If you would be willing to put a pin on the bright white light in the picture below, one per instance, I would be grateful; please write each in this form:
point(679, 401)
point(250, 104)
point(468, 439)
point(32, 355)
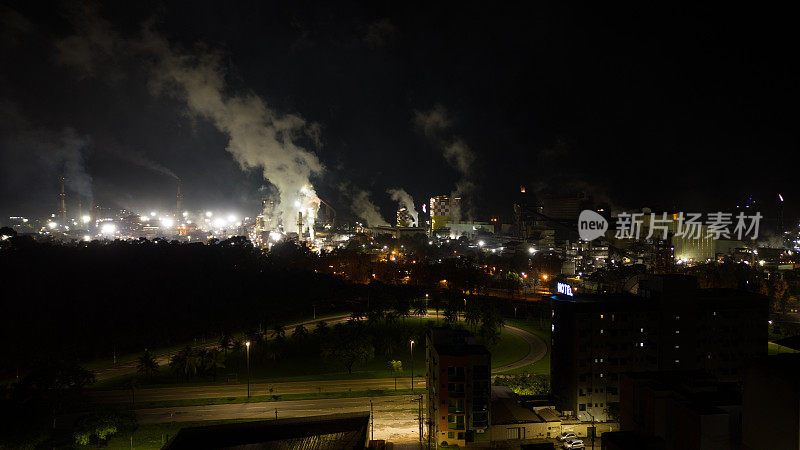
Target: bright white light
point(185, 213)
point(52, 225)
point(87, 238)
point(166, 222)
point(153, 213)
point(86, 219)
point(209, 214)
point(481, 243)
point(531, 250)
point(108, 228)
point(219, 222)
point(275, 236)
point(231, 218)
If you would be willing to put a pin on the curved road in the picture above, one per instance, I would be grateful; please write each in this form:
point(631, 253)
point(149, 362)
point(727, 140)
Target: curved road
point(538, 350)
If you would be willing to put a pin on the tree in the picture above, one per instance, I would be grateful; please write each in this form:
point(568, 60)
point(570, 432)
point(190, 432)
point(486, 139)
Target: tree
point(300, 332)
point(213, 360)
point(450, 312)
point(97, 427)
point(147, 366)
point(56, 387)
point(225, 341)
point(397, 370)
point(348, 346)
point(185, 363)
point(278, 331)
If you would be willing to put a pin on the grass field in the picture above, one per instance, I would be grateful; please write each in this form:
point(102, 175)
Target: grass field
point(276, 398)
point(311, 366)
point(774, 349)
point(543, 331)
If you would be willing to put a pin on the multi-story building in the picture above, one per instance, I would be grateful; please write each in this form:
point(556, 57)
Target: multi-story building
point(670, 325)
point(459, 388)
point(443, 208)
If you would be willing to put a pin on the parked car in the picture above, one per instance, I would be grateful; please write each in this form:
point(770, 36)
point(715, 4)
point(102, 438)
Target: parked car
point(567, 435)
point(573, 443)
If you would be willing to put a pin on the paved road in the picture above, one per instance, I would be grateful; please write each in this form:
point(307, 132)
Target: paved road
point(395, 417)
point(240, 390)
point(129, 367)
point(538, 349)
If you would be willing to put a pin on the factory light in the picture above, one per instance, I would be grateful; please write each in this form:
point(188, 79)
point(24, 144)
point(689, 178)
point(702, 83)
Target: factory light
point(531, 250)
point(108, 228)
point(209, 214)
point(86, 219)
point(481, 243)
point(52, 225)
point(166, 222)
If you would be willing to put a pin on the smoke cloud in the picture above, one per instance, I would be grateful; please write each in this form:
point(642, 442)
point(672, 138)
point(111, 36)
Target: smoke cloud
point(403, 199)
point(435, 124)
point(35, 157)
point(258, 136)
point(362, 205)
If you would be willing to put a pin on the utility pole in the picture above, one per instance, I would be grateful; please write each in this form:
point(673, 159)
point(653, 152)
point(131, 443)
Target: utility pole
point(247, 345)
point(419, 417)
point(412, 367)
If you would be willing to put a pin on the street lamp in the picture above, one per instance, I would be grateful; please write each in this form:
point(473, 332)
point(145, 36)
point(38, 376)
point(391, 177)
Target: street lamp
point(247, 345)
point(412, 366)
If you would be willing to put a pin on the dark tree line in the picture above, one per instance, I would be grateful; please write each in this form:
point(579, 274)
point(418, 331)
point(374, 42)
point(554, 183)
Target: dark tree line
point(89, 300)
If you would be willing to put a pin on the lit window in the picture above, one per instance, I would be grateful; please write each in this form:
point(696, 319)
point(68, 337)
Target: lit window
point(601, 316)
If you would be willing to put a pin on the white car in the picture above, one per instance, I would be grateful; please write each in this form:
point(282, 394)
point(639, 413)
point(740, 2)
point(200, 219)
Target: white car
point(567, 435)
point(574, 443)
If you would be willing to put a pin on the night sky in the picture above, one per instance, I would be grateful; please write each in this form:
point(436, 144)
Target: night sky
point(691, 109)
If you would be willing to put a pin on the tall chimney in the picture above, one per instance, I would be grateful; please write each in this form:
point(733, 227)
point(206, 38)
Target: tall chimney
point(62, 210)
point(300, 224)
point(179, 198)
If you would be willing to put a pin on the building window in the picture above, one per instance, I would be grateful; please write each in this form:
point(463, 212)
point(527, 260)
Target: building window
point(582, 407)
point(514, 433)
point(451, 434)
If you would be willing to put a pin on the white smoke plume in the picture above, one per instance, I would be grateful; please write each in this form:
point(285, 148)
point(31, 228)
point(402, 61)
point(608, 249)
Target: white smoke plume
point(362, 205)
point(138, 158)
point(403, 199)
point(259, 137)
point(37, 155)
point(435, 125)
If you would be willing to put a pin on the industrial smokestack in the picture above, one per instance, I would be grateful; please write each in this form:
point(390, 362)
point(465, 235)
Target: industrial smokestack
point(62, 210)
point(179, 198)
point(300, 224)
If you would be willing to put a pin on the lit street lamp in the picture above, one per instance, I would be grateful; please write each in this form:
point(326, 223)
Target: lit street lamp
point(412, 366)
point(247, 345)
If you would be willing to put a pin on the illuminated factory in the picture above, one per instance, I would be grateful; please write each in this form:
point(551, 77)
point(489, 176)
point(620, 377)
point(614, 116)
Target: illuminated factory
point(442, 208)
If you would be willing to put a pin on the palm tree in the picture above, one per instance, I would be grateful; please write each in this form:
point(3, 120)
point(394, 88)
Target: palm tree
point(225, 341)
point(185, 363)
point(147, 365)
point(300, 332)
point(214, 359)
point(419, 309)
